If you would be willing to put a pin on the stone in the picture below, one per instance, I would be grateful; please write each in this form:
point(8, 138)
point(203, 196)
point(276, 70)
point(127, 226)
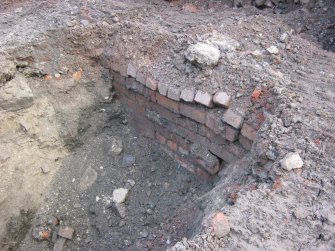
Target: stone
point(273, 49)
point(59, 245)
point(187, 95)
point(220, 225)
point(128, 160)
point(116, 147)
point(16, 95)
point(120, 195)
point(291, 161)
point(121, 210)
point(131, 182)
point(66, 232)
point(203, 54)
point(222, 99)
point(45, 169)
point(225, 44)
point(284, 38)
point(144, 234)
point(41, 233)
point(88, 179)
point(174, 93)
point(204, 98)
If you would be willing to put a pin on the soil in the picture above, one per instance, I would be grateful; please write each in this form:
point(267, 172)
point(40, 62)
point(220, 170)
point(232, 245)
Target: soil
point(59, 47)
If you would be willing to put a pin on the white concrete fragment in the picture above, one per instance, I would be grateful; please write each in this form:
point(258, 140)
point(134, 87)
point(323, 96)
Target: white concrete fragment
point(291, 161)
point(120, 195)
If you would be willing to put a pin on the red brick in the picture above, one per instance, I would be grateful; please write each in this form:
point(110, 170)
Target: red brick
point(230, 133)
point(222, 152)
point(131, 70)
point(140, 77)
point(245, 143)
point(196, 113)
point(249, 132)
point(187, 95)
point(186, 164)
point(174, 93)
point(186, 123)
point(222, 99)
point(236, 149)
point(204, 131)
point(204, 98)
point(167, 103)
point(172, 145)
point(160, 138)
point(151, 83)
point(204, 158)
point(232, 118)
point(214, 122)
point(162, 89)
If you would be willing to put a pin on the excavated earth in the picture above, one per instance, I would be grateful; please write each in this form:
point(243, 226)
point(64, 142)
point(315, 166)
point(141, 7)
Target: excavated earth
point(69, 138)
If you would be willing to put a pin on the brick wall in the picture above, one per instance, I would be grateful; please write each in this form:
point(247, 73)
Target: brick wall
point(199, 130)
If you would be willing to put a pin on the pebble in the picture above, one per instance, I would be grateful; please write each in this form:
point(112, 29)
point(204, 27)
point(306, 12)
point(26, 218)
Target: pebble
point(116, 147)
point(120, 195)
point(273, 49)
point(144, 234)
point(284, 38)
point(45, 169)
point(291, 161)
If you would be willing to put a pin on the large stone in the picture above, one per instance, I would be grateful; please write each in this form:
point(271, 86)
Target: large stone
point(291, 161)
point(16, 95)
point(203, 54)
point(120, 195)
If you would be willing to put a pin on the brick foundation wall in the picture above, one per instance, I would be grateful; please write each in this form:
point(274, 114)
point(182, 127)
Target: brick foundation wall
point(199, 130)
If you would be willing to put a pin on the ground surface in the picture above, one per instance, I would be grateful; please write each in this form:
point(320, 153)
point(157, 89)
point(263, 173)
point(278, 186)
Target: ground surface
point(73, 114)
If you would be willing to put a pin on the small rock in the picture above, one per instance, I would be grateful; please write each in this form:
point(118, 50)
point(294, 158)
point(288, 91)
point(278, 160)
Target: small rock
point(131, 182)
point(88, 178)
point(128, 160)
point(220, 225)
point(66, 232)
point(57, 75)
point(225, 44)
point(260, 3)
point(120, 195)
point(115, 19)
point(273, 49)
point(284, 38)
point(85, 22)
point(59, 245)
point(144, 234)
point(122, 223)
point(18, 10)
point(76, 206)
point(291, 161)
point(45, 169)
point(116, 147)
point(53, 221)
point(203, 54)
point(41, 233)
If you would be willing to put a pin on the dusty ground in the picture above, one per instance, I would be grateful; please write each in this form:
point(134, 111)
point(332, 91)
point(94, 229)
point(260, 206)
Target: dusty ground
point(47, 146)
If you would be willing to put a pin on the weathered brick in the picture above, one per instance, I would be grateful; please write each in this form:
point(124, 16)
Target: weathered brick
point(134, 86)
point(204, 158)
point(59, 244)
point(236, 149)
point(151, 83)
point(185, 163)
point(222, 99)
point(231, 133)
point(167, 103)
point(187, 95)
point(245, 143)
point(233, 119)
point(204, 98)
point(174, 93)
point(66, 232)
point(248, 131)
point(160, 138)
point(196, 113)
point(172, 145)
point(150, 95)
point(140, 77)
point(162, 89)
point(222, 153)
point(214, 122)
point(131, 70)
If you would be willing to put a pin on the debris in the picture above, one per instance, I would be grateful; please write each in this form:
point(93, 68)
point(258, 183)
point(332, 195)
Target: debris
point(273, 49)
point(59, 245)
point(203, 54)
point(41, 233)
point(120, 195)
point(116, 147)
point(220, 225)
point(291, 161)
point(66, 232)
